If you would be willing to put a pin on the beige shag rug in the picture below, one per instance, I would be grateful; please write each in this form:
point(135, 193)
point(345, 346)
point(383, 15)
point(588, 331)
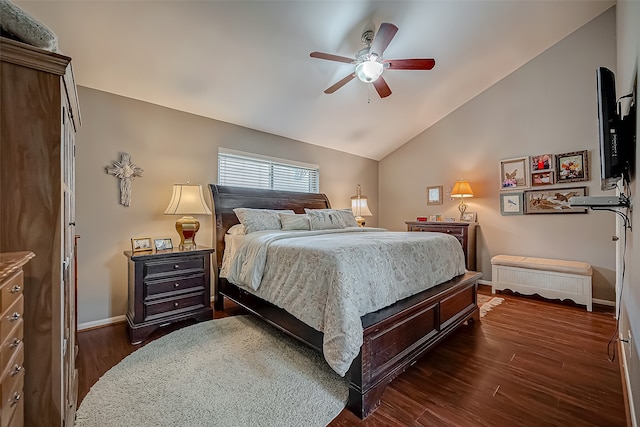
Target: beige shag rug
point(486, 303)
point(235, 371)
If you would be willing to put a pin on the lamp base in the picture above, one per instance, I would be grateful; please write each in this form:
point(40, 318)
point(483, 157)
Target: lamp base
point(187, 227)
point(360, 221)
point(462, 207)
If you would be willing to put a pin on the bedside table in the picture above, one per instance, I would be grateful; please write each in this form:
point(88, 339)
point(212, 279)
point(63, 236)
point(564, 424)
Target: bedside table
point(465, 232)
point(166, 287)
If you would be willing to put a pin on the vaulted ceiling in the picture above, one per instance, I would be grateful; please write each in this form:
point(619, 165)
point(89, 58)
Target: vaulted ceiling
point(248, 63)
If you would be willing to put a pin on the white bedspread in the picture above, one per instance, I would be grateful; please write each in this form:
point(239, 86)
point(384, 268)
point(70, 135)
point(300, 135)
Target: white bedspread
point(330, 278)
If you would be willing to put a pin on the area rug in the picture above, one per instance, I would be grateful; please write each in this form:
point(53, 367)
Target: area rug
point(235, 371)
point(486, 303)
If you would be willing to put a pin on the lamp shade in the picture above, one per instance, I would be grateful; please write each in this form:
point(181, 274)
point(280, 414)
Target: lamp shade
point(359, 206)
point(461, 189)
point(187, 200)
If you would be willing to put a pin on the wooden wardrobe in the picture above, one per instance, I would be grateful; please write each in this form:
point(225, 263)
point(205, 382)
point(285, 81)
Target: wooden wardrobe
point(39, 116)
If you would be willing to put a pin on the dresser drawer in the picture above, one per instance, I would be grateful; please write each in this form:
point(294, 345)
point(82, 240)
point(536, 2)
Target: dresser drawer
point(11, 291)
point(174, 265)
point(11, 344)
point(168, 307)
point(11, 391)
point(155, 288)
point(10, 316)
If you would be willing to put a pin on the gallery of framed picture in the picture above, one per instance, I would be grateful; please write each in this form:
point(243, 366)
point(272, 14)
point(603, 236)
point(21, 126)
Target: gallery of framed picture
point(527, 184)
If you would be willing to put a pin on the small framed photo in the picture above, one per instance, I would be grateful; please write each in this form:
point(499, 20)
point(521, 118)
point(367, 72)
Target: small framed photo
point(514, 173)
point(163, 244)
point(433, 218)
point(434, 195)
point(438, 217)
point(553, 201)
point(542, 162)
point(542, 178)
point(449, 219)
point(572, 167)
point(469, 217)
point(141, 244)
point(511, 203)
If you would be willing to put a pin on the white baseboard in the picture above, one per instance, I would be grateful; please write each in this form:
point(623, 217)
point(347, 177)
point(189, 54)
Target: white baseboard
point(484, 282)
point(103, 322)
point(627, 384)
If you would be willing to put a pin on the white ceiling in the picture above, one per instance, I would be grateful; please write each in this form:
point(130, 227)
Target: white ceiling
point(247, 62)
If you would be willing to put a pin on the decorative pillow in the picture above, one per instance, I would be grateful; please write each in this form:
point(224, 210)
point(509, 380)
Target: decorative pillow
point(237, 229)
point(259, 219)
point(325, 219)
point(294, 221)
point(348, 218)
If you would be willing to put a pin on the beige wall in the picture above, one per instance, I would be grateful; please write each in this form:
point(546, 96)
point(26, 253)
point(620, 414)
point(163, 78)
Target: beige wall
point(172, 147)
point(628, 49)
point(548, 105)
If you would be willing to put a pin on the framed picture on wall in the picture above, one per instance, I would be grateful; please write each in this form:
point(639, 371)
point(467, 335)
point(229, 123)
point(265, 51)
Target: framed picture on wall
point(572, 167)
point(434, 195)
point(542, 162)
point(514, 173)
point(542, 178)
point(511, 203)
point(553, 201)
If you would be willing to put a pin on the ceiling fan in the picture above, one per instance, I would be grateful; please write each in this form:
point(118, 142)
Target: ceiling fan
point(369, 64)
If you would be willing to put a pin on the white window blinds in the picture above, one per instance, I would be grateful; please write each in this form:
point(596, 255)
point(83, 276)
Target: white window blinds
point(251, 170)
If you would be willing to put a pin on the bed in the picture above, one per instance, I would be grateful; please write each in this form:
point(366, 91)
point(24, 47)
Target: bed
point(393, 337)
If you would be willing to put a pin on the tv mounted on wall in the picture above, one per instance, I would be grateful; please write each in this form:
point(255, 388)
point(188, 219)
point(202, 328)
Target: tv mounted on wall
point(616, 135)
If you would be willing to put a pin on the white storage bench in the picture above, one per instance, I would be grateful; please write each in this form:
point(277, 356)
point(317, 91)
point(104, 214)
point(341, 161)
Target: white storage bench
point(549, 278)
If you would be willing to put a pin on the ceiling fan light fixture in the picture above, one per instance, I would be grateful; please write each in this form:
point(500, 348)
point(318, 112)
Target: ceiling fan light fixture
point(369, 70)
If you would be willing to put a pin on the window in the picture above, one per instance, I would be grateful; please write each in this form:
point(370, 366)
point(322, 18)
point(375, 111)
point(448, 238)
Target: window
point(251, 170)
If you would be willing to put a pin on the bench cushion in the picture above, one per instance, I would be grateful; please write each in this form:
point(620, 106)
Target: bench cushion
point(557, 265)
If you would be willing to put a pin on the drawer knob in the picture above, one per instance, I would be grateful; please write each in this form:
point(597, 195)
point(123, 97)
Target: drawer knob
point(176, 285)
point(16, 342)
point(176, 266)
point(16, 370)
point(448, 231)
point(16, 289)
point(15, 316)
point(175, 304)
point(15, 399)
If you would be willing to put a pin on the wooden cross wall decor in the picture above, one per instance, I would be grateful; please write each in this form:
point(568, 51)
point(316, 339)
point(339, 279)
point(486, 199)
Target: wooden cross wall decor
point(125, 171)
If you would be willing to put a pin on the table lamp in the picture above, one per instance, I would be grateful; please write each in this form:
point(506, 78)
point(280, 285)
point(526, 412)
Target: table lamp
point(462, 189)
point(359, 207)
point(187, 200)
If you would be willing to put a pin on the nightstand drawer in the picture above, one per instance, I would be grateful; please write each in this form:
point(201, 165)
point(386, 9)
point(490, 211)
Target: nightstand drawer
point(11, 343)
point(11, 291)
point(154, 288)
point(465, 232)
point(174, 265)
point(169, 307)
point(10, 317)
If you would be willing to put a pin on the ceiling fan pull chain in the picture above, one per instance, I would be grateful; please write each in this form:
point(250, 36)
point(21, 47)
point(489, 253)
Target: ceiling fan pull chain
point(369, 93)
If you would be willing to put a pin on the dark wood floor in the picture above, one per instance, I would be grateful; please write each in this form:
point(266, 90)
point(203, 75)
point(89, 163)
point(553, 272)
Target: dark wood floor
point(529, 363)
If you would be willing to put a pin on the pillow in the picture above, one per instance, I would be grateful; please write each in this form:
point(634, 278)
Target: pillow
point(294, 221)
point(259, 219)
point(237, 229)
point(325, 219)
point(348, 218)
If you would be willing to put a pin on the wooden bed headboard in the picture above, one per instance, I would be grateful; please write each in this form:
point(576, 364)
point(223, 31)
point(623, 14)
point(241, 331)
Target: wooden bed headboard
point(227, 198)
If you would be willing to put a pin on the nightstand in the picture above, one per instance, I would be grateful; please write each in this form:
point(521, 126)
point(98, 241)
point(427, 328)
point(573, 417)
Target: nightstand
point(166, 287)
point(465, 232)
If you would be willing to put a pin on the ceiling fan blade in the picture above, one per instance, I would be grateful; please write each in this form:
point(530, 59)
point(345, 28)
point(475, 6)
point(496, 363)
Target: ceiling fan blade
point(383, 37)
point(411, 64)
point(382, 87)
point(330, 57)
point(341, 83)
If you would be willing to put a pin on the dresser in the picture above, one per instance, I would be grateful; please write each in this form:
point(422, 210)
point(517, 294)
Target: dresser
point(465, 232)
point(166, 287)
point(11, 338)
point(38, 121)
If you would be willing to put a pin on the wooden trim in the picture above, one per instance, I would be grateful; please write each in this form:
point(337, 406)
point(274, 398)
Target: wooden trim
point(32, 57)
point(625, 385)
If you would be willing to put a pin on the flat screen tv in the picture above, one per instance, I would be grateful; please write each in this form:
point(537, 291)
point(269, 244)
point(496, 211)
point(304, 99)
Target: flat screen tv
point(612, 157)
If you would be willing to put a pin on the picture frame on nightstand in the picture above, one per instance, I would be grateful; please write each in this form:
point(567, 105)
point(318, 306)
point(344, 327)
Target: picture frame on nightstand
point(141, 244)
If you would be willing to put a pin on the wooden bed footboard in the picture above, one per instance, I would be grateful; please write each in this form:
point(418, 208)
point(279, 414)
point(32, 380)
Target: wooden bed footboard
point(394, 337)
